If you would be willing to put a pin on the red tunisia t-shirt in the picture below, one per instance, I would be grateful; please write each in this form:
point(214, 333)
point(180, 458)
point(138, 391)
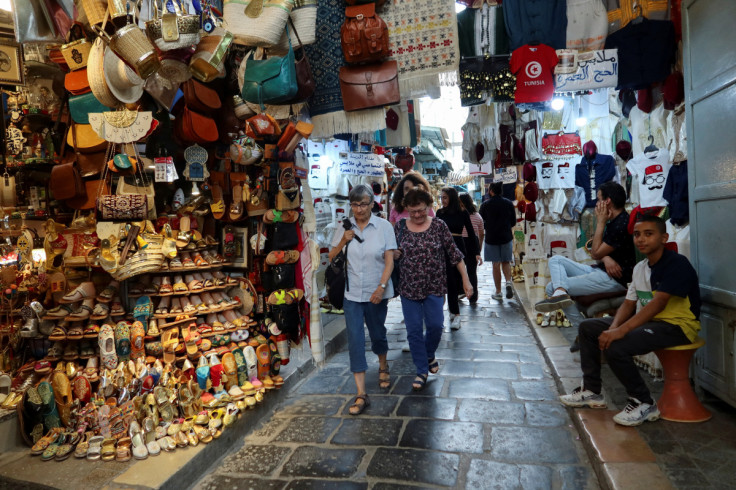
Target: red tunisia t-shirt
point(534, 70)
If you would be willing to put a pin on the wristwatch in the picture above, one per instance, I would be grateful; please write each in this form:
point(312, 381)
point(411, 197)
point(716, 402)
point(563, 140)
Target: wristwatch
point(382, 285)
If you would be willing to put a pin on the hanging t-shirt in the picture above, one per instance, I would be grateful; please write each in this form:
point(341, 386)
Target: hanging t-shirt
point(534, 70)
point(649, 171)
point(590, 175)
point(672, 274)
point(564, 175)
point(545, 174)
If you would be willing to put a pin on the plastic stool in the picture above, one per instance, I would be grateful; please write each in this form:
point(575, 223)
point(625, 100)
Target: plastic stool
point(678, 402)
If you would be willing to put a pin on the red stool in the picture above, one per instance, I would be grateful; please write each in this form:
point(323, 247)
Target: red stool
point(678, 402)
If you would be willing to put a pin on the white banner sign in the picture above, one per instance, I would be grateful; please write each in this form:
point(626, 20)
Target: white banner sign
point(595, 69)
point(507, 175)
point(368, 164)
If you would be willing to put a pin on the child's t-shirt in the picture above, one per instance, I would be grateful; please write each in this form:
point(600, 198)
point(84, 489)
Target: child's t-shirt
point(672, 274)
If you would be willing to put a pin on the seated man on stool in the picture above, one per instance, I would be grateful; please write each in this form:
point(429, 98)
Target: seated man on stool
point(612, 247)
point(665, 294)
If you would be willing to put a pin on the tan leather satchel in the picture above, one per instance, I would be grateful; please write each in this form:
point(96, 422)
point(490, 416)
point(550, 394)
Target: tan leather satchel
point(369, 86)
point(364, 35)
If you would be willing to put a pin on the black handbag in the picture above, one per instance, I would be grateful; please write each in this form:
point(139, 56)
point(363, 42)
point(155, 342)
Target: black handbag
point(396, 273)
point(288, 319)
point(284, 236)
point(279, 277)
point(485, 77)
point(336, 278)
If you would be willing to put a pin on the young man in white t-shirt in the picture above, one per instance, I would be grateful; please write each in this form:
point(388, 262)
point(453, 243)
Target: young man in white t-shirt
point(661, 310)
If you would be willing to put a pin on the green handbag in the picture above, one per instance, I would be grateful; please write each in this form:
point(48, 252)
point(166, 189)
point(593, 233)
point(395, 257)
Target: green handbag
point(81, 105)
point(270, 81)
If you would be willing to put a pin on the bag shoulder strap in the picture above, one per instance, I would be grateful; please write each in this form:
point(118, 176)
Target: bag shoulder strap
point(345, 268)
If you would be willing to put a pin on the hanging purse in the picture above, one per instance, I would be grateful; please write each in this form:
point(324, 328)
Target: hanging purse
point(257, 22)
point(129, 207)
point(364, 35)
point(7, 190)
point(284, 236)
point(175, 30)
point(66, 182)
point(200, 97)
point(270, 81)
point(305, 82)
point(303, 17)
point(76, 50)
point(193, 127)
point(208, 61)
point(125, 189)
point(80, 106)
point(367, 86)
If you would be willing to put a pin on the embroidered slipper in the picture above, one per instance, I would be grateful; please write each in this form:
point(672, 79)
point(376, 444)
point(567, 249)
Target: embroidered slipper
point(122, 340)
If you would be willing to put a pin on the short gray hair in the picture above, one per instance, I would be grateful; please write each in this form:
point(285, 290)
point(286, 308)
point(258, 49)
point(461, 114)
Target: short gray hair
point(359, 192)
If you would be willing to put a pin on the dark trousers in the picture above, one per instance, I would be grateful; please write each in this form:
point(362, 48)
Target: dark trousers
point(471, 264)
point(620, 355)
point(454, 281)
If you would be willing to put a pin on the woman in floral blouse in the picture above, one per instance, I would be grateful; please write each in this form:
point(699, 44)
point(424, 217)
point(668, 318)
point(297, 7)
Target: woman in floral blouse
point(423, 244)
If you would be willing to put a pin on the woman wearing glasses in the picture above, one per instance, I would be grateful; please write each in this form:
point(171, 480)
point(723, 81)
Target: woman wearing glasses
point(370, 243)
point(409, 181)
point(423, 244)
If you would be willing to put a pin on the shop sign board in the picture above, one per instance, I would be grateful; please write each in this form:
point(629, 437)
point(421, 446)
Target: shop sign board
point(364, 164)
point(595, 69)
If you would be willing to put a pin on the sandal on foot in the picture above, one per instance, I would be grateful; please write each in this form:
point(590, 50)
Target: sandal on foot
point(384, 382)
point(359, 406)
point(434, 366)
point(419, 382)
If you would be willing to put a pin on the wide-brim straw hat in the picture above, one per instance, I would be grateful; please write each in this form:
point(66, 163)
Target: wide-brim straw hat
point(122, 80)
point(96, 75)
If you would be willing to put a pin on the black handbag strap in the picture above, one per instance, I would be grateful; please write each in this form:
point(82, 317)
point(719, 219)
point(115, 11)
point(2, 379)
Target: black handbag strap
point(345, 267)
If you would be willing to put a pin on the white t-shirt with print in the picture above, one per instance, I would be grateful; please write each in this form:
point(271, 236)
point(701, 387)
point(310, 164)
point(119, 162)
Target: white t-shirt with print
point(649, 171)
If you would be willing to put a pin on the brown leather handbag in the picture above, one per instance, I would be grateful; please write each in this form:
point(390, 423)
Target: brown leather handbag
point(304, 79)
point(88, 164)
point(194, 127)
point(66, 182)
point(369, 86)
point(364, 35)
point(200, 97)
point(379, 3)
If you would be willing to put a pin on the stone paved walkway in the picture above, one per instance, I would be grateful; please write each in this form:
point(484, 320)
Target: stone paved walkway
point(489, 419)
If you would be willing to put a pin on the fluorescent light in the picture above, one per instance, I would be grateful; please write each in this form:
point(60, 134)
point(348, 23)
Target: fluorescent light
point(557, 104)
point(581, 120)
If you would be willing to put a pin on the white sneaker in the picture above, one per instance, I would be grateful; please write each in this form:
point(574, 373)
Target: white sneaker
point(636, 413)
point(497, 296)
point(455, 322)
point(583, 398)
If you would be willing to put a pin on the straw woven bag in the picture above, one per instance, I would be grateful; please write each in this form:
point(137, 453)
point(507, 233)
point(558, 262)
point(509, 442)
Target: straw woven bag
point(257, 22)
point(96, 11)
point(304, 18)
point(76, 51)
point(173, 30)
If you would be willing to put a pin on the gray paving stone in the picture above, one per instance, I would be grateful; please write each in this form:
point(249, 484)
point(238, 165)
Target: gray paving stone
point(490, 389)
point(381, 406)
point(576, 477)
point(311, 405)
point(322, 385)
point(404, 386)
point(361, 431)
point(371, 384)
point(532, 371)
point(258, 460)
point(334, 370)
point(546, 414)
point(465, 437)
point(458, 354)
point(411, 465)
point(532, 445)
point(426, 407)
point(491, 412)
point(402, 366)
point(398, 486)
point(322, 462)
point(325, 485)
point(493, 475)
point(474, 346)
point(498, 370)
point(534, 390)
point(308, 429)
point(456, 368)
point(490, 355)
point(229, 482)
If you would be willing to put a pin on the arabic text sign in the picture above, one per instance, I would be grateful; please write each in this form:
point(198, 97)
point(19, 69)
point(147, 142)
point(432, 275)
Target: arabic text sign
point(367, 164)
point(596, 69)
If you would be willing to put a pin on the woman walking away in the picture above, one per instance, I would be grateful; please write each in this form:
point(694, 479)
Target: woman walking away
point(423, 244)
point(409, 181)
point(457, 220)
point(370, 244)
point(477, 222)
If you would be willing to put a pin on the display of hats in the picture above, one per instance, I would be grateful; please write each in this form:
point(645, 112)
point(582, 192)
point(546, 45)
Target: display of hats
point(644, 100)
point(96, 75)
point(392, 119)
point(531, 191)
point(123, 82)
point(623, 149)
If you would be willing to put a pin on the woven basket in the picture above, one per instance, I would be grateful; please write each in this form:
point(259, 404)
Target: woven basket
point(304, 17)
point(96, 75)
point(135, 49)
point(186, 25)
point(257, 22)
point(76, 53)
point(144, 261)
point(95, 10)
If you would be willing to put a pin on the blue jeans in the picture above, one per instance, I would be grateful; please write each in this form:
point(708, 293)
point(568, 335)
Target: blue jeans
point(374, 317)
point(429, 313)
point(579, 279)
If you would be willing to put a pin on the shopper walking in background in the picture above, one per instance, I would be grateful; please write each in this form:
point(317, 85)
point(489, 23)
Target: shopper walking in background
point(457, 220)
point(499, 217)
point(477, 222)
point(408, 182)
point(424, 243)
point(370, 262)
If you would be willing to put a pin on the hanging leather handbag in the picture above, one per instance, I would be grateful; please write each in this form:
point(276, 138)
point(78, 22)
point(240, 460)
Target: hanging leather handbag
point(336, 278)
point(76, 82)
point(80, 106)
point(364, 35)
point(367, 86)
point(194, 127)
point(66, 182)
point(88, 164)
point(305, 82)
point(200, 97)
point(176, 30)
point(279, 277)
point(270, 81)
point(284, 236)
point(379, 3)
point(86, 139)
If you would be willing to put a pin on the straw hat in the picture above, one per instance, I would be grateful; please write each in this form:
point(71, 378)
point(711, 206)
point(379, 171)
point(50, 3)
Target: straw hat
point(96, 75)
point(123, 82)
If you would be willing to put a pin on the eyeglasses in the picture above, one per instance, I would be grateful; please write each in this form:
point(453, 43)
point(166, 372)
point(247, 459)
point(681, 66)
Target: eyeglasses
point(418, 212)
point(361, 205)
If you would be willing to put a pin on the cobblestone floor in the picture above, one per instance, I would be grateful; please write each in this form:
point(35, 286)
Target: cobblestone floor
point(489, 419)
